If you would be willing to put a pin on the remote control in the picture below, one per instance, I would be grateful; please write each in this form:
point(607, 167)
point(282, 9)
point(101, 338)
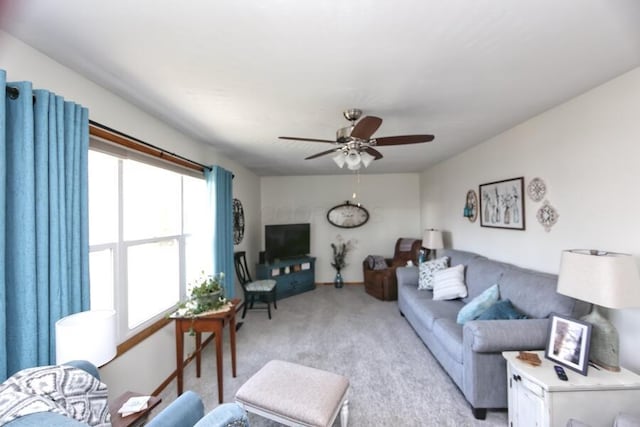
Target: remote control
point(561, 373)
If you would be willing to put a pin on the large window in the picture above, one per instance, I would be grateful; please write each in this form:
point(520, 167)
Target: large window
point(147, 235)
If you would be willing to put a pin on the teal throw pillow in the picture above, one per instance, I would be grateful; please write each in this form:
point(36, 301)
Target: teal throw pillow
point(478, 305)
point(502, 310)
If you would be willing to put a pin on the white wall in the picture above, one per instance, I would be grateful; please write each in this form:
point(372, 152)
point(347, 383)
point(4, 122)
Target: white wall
point(391, 199)
point(146, 366)
point(587, 152)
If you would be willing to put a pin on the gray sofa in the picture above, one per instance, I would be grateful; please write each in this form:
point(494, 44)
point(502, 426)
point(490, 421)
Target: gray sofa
point(472, 354)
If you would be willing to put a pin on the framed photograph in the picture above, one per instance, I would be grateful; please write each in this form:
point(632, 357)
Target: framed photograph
point(568, 343)
point(502, 204)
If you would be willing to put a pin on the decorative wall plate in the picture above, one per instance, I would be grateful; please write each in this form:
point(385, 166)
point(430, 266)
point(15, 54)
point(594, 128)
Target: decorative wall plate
point(348, 215)
point(238, 222)
point(547, 216)
point(536, 189)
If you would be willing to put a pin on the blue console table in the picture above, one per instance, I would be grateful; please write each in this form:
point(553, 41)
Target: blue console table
point(293, 276)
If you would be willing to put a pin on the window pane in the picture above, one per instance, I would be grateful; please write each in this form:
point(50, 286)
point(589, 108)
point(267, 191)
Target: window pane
point(196, 206)
point(101, 279)
point(198, 258)
point(103, 198)
point(151, 201)
point(153, 280)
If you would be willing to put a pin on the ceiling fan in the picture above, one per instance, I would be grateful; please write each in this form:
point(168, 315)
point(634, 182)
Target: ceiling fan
point(354, 145)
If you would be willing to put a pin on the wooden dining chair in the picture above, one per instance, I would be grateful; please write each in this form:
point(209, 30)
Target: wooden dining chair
point(259, 290)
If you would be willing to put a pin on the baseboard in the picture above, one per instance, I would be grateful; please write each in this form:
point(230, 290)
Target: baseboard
point(331, 283)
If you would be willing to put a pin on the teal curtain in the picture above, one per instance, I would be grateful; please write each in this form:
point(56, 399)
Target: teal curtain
point(44, 244)
point(220, 188)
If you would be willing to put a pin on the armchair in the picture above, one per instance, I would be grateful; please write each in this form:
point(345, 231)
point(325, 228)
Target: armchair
point(381, 283)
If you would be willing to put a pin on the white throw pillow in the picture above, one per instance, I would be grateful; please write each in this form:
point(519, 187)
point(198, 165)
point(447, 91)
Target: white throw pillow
point(449, 283)
point(427, 269)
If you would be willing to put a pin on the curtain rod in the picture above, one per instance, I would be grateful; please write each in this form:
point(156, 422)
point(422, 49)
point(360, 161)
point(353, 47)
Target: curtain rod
point(139, 141)
point(13, 92)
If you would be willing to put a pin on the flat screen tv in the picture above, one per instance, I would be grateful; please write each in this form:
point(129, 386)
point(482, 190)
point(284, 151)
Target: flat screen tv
point(286, 240)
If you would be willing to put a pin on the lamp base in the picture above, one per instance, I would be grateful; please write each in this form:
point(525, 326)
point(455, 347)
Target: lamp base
point(604, 345)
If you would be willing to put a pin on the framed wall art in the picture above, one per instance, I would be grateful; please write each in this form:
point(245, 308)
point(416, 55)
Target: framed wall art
point(502, 204)
point(568, 342)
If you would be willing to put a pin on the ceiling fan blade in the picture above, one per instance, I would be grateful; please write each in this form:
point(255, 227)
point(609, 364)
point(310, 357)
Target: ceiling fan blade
point(366, 127)
point(403, 139)
point(295, 138)
point(320, 154)
point(375, 153)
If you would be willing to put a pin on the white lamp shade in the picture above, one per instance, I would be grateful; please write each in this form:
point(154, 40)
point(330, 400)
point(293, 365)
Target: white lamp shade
point(339, 159)
point(432, 239)
point(89, 335)
point(366, 159)
point(353, 160)
point(604, 278)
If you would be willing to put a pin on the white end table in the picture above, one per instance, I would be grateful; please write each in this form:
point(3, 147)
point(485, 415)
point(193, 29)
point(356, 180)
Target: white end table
point(538, 398)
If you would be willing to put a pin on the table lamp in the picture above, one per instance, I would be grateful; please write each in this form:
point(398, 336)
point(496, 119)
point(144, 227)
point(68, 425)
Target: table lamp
point(605, 279)
point(431, 240)
point(88, 335)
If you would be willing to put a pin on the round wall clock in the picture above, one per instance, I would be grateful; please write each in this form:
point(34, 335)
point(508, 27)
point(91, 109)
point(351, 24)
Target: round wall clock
point(348, 215)
point(238, 222)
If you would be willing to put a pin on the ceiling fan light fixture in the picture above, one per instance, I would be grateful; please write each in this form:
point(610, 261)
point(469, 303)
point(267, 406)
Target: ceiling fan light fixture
point(366, 159)
point(339, 159)
point(353, 159)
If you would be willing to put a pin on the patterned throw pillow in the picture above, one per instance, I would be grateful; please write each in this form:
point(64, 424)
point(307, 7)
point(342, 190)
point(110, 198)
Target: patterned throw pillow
point(427, 269)
point(449, 283)
point(478, 305)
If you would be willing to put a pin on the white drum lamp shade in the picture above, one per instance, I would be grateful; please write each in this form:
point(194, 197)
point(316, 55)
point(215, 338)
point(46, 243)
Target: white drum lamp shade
point(89, 335)
point(605, 279)
point(432, 239)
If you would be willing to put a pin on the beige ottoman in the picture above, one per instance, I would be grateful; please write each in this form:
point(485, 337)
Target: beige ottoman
point(296, 395)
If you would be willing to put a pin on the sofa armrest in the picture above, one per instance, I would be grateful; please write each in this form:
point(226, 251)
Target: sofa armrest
point(227, 414)
point(407, 275)
point(494, 336)
point(185, 411)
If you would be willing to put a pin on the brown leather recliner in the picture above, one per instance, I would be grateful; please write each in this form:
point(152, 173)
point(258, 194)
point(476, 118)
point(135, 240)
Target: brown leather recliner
point(382, 284)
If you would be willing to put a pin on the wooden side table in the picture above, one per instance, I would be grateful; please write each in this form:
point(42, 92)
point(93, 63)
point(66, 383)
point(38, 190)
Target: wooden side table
point(135, 419)
point(538, 398)
point(213, 323)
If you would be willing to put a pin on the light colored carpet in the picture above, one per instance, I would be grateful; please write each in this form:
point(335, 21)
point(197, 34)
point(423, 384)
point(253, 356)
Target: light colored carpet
point(395, 381)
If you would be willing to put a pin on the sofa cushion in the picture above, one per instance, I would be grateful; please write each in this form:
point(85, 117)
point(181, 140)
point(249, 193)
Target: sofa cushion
point(449, 335)
point(501, 310)
point(481, 274)
point(449, 283)
point(478, 305)
point(459, 257)
point(427, 270)
point(534, 293)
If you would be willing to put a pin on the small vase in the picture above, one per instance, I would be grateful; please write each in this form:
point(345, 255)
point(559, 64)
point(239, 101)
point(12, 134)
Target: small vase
point(338, 282)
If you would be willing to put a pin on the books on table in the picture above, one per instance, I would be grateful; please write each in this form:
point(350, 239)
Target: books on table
point(133, 405)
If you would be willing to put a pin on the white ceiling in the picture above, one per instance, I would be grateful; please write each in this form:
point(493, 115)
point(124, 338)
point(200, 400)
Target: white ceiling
point(238, 73)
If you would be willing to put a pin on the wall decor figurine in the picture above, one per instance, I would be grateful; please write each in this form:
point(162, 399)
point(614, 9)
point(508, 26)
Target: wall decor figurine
point(471, 206)
point(502, 204)
point(547, 216)
point(536, 189)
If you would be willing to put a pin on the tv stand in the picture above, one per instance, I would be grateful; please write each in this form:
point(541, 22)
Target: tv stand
point(293, 275)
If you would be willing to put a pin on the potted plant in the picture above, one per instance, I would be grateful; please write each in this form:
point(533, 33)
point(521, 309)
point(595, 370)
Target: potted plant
point(340, 250)
point(206, 294)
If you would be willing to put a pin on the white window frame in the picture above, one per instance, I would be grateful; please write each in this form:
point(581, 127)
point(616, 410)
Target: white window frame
point(121, 247)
